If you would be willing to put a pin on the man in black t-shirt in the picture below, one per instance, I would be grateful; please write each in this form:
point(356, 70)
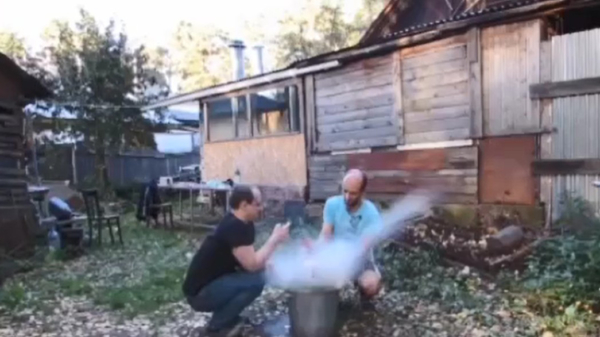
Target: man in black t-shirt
point(225, 275)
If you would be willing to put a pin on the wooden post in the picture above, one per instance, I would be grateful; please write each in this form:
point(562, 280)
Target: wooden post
point(475, 85)
point(235, 107)
point(249, 115)
point(311, 112)
point(397, 112)
point(204, 109)
point(545, 140)
point(293, 108)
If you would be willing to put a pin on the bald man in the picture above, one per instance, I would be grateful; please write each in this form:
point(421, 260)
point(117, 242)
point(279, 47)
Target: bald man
point(351, 216)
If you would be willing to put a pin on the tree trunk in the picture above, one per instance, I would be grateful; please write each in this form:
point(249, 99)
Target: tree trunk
point(102, 170)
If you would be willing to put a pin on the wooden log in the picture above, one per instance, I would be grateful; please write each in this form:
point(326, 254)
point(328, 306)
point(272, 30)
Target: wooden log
point(506, 240)
point(519, 254)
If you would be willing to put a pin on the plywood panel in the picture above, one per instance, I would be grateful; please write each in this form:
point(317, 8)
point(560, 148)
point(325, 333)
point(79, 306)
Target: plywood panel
point(266, 161)
point(356, 106)
point(506, 174)
point(510, 64)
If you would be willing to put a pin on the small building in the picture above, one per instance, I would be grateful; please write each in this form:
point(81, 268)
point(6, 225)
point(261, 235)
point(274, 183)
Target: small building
point(484, 100)
point(18, 222)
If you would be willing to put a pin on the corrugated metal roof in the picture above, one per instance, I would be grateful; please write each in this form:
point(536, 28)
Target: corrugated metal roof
point(497, 7)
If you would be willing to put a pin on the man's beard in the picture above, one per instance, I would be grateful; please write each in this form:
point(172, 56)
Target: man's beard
point(352, 203)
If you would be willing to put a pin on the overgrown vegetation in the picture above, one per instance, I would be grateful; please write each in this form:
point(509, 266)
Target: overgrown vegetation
point(137, 278)
point(562, 279)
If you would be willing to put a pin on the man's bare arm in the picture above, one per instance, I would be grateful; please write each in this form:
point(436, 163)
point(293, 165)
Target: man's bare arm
point(326, 232)
point(252, 260)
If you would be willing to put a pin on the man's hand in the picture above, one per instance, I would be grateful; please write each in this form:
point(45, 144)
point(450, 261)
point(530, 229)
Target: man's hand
point(308, 244)
point(281, 233)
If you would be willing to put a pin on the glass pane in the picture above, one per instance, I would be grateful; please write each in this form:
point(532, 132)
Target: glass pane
point(242, 118)
point(271, 111)
point(220, 126)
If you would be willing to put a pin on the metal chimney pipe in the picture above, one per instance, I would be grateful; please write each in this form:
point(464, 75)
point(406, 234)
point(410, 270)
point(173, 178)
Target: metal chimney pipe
point(237, 48)
point(259, 65)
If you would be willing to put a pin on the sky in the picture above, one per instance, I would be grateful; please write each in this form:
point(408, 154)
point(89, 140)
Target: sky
point(151, 23)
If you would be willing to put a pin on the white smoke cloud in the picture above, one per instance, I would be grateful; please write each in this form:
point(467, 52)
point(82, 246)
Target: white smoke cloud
point(333, 264)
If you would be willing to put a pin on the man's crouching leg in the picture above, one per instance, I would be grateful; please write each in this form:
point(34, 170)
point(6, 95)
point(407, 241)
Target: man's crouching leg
point(370, 283)
point(227, 297)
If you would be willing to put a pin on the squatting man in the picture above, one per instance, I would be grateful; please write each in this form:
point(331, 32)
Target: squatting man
point(226, 274)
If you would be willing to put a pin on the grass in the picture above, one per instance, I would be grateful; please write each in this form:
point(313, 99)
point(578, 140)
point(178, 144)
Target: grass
point(137, 278)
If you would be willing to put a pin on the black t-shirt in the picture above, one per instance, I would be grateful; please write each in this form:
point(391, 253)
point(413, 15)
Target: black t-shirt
point(215, 257)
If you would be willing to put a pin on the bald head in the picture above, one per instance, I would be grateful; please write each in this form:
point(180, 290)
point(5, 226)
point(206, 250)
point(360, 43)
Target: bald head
point(354, 185)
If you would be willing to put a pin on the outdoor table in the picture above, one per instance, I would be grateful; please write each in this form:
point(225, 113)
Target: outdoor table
point(193, 187)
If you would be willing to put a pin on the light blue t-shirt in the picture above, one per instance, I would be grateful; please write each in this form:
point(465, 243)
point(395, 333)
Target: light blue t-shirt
point(364, 221)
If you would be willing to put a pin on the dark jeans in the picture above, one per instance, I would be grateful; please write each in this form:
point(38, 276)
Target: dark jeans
point(227, 296)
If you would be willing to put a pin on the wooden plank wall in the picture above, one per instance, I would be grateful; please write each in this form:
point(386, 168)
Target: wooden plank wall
point(452, 171)
point(326, 173)
point(435, 90)
point(511, 63)
point(355, 106)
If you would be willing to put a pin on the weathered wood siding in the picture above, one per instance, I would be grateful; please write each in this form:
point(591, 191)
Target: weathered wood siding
point(18, 222)
point(511, 63)
point(435, 91)
point(325, 175)
point(452, 171)
point(355, 106)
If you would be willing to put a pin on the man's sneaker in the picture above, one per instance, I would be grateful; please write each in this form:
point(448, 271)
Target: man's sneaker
point(233, 331)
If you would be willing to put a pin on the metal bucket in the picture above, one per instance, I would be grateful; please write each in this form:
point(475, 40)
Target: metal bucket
point(313, 312)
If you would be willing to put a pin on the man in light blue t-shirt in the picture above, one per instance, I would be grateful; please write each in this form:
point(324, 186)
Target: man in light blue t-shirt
point(351, 216)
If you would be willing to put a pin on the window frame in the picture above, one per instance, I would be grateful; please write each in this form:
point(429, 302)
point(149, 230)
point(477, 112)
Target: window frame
point(297, 104)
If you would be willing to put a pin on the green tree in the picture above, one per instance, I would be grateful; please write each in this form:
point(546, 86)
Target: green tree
point(12, 46)
point(369, 11)
point(319, 27)
point(202, 56)
point(103, 82)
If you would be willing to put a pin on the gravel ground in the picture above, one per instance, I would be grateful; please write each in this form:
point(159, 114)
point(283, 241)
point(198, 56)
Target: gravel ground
point(395, 314)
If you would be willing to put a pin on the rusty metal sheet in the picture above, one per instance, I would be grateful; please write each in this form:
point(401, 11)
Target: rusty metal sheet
point(506, 176)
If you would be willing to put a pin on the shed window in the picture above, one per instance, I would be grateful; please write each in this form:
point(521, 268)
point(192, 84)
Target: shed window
point(255, 114)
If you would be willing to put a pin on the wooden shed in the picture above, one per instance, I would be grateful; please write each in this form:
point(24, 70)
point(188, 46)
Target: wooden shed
point(18, 221)
point(438, 93)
